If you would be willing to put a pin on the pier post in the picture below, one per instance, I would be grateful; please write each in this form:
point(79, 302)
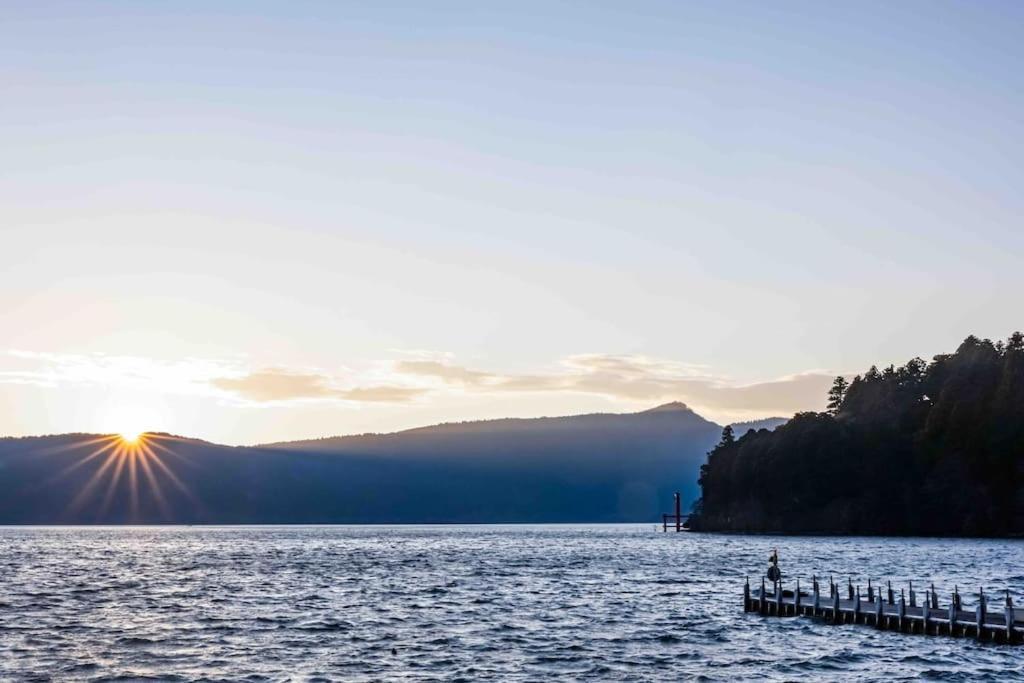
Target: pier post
point(849, 588)
point(796, 598)
point(901, 612)
point(979, 615)
point(836, 615)
point(871, 591)
point(878, 610)
point(762, 605)
point(1008, 615)
point(817, 597)
point(746, 595)
point(679, 515)
point(913, 595)
point(935, 598)
point(831, 586)
point(856, 607)
point(778, 598)
point(889, 590)
point(925, 614)
point(952, 613)
point(664, 523)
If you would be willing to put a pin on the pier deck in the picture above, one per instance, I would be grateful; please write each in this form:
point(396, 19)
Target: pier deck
point(886, 610)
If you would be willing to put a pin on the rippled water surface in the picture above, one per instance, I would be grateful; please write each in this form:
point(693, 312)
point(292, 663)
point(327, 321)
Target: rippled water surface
point(462, 603)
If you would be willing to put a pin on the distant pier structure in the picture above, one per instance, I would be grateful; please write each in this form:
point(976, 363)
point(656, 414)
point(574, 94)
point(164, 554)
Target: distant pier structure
point(887, 610)
point(675, 519)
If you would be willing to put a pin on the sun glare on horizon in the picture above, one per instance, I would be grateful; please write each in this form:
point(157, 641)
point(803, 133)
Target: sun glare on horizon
point(131, 436)
point(129, 458)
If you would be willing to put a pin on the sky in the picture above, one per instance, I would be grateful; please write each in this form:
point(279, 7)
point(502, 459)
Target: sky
point(254, 221)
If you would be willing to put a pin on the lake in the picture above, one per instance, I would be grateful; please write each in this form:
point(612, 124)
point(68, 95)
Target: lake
point(465, 603)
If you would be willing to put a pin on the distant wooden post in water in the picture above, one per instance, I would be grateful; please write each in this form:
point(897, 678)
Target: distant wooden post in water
point(678, 516)
point(894, 614)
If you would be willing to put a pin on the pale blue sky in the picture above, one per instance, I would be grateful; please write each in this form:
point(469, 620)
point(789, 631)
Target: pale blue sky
point(302, 197)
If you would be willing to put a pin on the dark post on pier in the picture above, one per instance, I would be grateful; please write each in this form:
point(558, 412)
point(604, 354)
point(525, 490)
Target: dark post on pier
point(678, 516)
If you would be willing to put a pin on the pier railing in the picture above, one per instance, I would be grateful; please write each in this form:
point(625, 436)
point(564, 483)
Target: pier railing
point(891, 611)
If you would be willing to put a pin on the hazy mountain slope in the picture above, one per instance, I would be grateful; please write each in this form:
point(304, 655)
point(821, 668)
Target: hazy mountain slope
point(587, 468)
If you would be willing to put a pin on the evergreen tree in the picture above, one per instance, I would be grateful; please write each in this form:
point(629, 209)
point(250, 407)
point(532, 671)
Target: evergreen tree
point(727, 437)
point(836, 394)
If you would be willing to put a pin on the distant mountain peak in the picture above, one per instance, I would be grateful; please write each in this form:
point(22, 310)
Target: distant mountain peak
point(673, 407)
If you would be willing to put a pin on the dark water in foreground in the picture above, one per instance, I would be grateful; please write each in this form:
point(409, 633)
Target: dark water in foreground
point(469, 603)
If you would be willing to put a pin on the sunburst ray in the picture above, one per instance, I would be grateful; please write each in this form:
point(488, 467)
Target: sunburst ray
point(154, 485)
point(93, 482)
point(132, 469)
point(108, 497)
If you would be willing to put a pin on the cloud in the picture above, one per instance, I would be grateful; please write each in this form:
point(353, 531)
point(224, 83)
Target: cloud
point(179, 376)
point(640, 378)
point(195, 377)
point(383, 394)
point(275, 384)
point(632, 378)
point(449, 373)
point(634, 365)
point(278, 384)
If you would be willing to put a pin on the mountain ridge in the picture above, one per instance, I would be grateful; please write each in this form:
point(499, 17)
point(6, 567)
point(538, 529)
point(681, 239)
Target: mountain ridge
point(673, 408)
point(596, 467)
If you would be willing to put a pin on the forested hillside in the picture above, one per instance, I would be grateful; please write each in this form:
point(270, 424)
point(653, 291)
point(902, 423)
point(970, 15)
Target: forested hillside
point(927, 448)
point(582, 468)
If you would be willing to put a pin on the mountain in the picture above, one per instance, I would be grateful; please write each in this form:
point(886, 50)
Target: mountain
point(924, 449)
point(584, 468)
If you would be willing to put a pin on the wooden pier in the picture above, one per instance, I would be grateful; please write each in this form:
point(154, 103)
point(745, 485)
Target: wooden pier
point(889, 611)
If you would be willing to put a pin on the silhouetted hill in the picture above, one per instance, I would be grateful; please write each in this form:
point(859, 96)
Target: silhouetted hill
point(585, 468)
point(925, 449)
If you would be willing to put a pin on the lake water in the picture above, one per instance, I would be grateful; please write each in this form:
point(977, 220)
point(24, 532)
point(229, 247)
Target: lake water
point(463, 603)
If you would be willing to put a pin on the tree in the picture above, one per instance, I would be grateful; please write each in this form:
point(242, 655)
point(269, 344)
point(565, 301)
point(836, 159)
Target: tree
point(727, 437)
point(836, 394)
point(924, 448)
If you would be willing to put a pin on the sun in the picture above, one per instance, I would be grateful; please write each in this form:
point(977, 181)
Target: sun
point(131, 436)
